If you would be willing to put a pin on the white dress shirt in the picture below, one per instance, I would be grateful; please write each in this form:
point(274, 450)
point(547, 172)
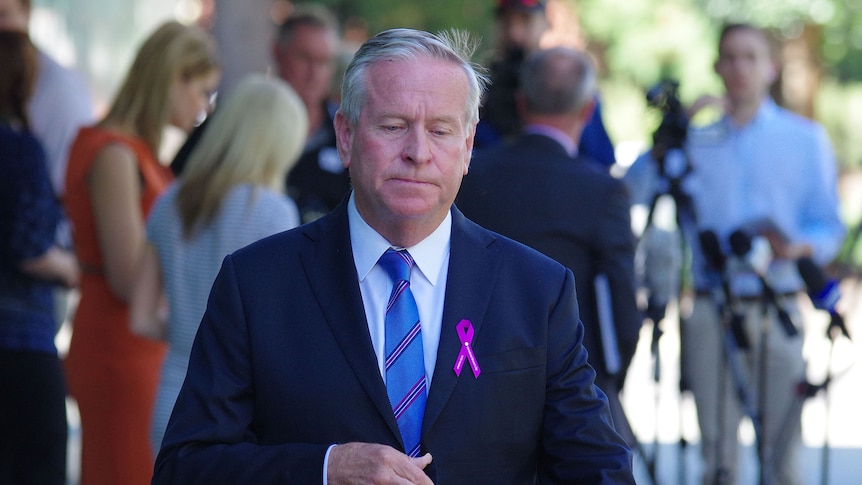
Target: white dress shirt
point(428, 284)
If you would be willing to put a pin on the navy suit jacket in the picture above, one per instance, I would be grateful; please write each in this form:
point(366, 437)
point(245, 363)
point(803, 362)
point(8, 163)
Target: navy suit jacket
point(571, 210)
point(283, 366)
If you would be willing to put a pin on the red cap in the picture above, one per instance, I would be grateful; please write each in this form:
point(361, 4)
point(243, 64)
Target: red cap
point(524, 5)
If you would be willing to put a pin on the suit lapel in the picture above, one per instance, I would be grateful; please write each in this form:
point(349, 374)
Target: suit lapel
point(473, 268)
point(328, 264)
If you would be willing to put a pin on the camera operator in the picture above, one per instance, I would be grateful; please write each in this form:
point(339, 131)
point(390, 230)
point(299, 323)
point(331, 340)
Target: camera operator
point(520, 25)
point(758, 171)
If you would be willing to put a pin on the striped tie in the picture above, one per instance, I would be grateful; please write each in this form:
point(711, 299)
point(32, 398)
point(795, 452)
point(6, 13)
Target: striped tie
point(405, 364)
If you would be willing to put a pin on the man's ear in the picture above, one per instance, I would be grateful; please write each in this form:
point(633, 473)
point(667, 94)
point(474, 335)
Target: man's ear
point(343, 137)
point(586, 112)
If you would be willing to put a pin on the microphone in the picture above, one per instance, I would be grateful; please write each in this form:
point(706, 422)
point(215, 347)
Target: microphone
point(716, 261)
point(757, 253)
point(824, 293)
point(662, 263)
point(712, 252)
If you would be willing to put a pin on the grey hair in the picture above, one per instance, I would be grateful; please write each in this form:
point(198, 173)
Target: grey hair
point(557, 81)
point(456, 46)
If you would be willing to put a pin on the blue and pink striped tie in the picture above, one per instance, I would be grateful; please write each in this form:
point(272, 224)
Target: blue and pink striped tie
point(405, 364)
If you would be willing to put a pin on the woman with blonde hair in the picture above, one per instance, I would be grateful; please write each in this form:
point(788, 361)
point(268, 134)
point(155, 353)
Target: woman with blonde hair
point(112, 179)
point(228, 196)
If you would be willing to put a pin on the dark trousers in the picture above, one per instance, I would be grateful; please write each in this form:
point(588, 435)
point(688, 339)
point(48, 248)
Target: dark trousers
point(33, 430)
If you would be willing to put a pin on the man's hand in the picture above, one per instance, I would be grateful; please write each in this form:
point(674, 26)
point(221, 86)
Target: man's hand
point(784, 249)
point(377, 464)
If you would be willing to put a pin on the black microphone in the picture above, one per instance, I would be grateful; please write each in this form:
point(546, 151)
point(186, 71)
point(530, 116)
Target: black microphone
point(712, 252)
point(716, 261)
point(824, 293)
point(740, 242)
point(753, 249)
point(744, 246)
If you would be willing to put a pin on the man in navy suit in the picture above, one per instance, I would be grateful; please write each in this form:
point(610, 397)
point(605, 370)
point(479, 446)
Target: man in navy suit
point(539, 190)
point(286, 381)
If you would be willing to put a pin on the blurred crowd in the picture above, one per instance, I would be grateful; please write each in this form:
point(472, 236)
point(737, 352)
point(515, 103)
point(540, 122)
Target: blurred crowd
point(87, 206)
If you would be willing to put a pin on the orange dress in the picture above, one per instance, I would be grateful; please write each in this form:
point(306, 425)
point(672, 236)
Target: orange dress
point(112, 374)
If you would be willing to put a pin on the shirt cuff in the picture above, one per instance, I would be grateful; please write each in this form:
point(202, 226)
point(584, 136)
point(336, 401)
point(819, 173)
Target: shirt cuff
point(326, 462)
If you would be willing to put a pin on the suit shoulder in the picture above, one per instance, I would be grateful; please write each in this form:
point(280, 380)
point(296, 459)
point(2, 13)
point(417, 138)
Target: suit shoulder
point(519, 254)
point(274, 247)
point(590, 174)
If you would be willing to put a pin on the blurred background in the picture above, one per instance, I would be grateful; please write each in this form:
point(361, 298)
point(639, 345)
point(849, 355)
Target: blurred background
point(636, 44)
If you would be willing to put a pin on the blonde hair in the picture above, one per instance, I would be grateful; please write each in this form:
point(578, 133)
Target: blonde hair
point(173, 51)
point(255, 137)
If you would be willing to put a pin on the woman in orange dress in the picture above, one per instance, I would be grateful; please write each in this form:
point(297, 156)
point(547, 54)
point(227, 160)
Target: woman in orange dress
point(112, 180)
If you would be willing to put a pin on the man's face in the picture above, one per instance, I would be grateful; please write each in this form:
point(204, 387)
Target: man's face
point(411, 146)
point(745, 65)
point(519, 30)
point(307, 62)
point(13, 16)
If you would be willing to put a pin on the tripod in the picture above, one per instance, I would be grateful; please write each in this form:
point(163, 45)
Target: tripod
point(664, 252)
point(767, 319)
point(657, 179)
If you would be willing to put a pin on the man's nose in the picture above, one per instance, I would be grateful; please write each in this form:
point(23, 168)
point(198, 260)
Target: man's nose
point(417, 147)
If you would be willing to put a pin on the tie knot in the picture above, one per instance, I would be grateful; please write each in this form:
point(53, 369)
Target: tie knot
point(397, 264)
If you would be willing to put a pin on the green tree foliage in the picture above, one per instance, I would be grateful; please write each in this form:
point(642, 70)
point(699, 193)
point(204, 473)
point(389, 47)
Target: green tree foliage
point(643, 41)
point(640, 42)
point(476, 16)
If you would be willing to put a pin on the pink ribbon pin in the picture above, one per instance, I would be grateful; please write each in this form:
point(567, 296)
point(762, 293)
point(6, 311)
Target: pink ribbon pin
point(465, 333)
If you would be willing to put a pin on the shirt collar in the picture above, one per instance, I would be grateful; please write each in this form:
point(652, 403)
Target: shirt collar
point(565, 140)
point(368, 245)
point(765, 111)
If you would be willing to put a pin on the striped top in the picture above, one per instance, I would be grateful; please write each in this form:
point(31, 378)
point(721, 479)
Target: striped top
point(189, 268)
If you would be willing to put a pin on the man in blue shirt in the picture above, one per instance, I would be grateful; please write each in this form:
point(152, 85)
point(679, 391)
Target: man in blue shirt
point(765, 174)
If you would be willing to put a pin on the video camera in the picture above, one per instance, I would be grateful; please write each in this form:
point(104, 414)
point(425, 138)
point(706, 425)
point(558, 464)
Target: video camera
point(672, 131)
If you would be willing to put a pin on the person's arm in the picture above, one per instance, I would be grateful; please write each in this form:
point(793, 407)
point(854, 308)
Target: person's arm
point(31, 234)
point(211, 438)
point(822, 229)
point(55, 264)
point(147, 307)
point(115, 188)
point(579, 442)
